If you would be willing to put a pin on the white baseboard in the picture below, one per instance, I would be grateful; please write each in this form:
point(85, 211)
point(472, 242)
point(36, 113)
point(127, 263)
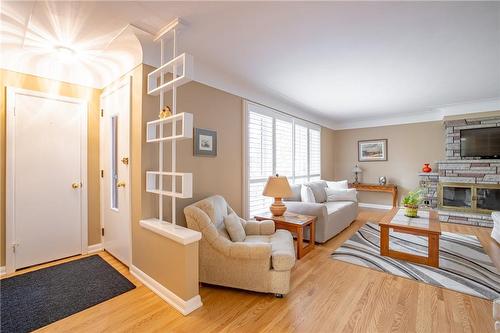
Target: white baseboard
point(3, 271)
point(184, 307)
point(376, 206)
point(94, 248)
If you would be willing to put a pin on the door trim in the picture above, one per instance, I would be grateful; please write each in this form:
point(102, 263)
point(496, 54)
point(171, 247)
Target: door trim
point(10, 228)
point(125, 81)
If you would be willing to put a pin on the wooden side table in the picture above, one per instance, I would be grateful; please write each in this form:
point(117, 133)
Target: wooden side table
point(389, 188)
point(294, 223)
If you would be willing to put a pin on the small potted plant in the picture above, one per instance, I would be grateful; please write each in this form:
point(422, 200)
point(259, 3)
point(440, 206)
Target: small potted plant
point(411, 202)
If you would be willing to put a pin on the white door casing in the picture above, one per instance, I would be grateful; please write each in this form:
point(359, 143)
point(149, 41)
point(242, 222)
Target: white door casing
point(115, 147)
point(46, 218)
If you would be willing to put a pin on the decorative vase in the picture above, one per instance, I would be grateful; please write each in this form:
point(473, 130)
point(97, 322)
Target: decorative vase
point(382, 180)
point(426, 168)
point(411, 211)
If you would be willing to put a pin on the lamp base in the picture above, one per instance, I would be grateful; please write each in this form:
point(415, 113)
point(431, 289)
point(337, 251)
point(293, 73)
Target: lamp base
point(278, 208)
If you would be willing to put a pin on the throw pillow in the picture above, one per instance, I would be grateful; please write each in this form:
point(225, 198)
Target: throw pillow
point(234, 228)
point(318, 189)
point(306, 194)
point(341, 195)
point(340, 185)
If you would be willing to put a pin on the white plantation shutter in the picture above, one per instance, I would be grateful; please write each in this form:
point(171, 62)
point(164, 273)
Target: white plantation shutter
point(314, 154)
point(300, 160)
point(278, 143)
point(284, 147)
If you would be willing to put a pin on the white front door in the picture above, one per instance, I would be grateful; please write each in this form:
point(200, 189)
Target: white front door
point(46, 178)
point(115, 176)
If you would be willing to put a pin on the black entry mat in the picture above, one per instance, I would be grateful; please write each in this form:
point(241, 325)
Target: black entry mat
point(35, 299)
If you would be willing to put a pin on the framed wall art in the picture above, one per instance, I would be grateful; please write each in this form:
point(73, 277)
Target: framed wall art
point(372, 150)
point(205, 142)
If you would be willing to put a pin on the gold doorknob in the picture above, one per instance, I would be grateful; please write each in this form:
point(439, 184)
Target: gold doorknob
point(76, 185)
point(120, 184)
point(125, 160)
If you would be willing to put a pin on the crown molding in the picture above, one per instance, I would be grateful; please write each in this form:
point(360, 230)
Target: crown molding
point(435, 114)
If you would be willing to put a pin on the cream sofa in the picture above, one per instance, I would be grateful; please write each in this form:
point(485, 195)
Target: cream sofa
point(262, 262)
point(333, 217)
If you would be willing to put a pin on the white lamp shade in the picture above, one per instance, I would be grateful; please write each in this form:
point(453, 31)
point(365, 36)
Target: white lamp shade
point(277, 187)
point(357, 169)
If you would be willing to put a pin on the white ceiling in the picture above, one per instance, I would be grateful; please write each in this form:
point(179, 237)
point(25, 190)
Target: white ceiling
point(340, 62)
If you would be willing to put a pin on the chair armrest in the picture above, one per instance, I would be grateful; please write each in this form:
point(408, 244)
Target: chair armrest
point(283, 255)
point(241, 250)
point(265, 227)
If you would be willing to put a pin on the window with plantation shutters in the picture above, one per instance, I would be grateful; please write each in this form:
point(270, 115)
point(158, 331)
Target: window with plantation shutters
point(260, 158)
point(278, 143)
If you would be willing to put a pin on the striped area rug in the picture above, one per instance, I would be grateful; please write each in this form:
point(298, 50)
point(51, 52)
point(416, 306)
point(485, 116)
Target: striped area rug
point(463, 264)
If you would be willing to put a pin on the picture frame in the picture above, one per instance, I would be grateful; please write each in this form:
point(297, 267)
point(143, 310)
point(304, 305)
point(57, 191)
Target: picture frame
point(205, 142)
point(372, 150)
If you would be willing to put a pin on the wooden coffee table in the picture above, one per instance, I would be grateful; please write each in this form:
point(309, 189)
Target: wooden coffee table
point(294, 223)
point(427, 224)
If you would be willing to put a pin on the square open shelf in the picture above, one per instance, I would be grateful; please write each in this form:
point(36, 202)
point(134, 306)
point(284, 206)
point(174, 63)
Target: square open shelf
point(184, 186)
point(184, 66)
point(183, 123)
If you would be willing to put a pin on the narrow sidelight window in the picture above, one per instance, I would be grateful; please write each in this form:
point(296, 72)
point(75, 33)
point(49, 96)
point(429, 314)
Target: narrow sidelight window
point(114, 162)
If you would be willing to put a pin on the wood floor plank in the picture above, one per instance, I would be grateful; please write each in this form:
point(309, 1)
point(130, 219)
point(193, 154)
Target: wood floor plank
point(326, 296)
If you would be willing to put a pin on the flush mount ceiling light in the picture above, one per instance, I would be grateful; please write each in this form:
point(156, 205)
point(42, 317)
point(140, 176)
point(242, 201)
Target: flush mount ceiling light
point(64, 50)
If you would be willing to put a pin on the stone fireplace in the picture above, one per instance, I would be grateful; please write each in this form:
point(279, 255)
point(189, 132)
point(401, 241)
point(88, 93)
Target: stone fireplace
point(464, 190)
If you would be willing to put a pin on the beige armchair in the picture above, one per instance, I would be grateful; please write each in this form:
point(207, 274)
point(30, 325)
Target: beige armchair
point(262, 262)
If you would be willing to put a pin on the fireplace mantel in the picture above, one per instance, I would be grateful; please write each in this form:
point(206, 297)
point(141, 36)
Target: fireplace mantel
point(484, 160)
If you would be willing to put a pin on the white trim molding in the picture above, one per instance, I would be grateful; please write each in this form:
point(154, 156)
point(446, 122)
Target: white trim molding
point(376, 206)
point(94, 248)
point(184, 307)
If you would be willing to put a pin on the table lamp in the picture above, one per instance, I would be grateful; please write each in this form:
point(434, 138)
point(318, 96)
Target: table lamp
point(356, 170)
point(277, 187)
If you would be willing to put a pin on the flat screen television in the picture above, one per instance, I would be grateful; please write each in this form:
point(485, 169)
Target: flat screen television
point(480, 142)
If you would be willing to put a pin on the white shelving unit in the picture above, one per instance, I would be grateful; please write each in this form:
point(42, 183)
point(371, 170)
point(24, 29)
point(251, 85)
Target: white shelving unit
point(168, 77)
point(182, 66)
point(184, 121)
point(186, 191)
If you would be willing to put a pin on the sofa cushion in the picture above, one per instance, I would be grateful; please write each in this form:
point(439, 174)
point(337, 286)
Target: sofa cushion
point(336, 206)
point(318, 189)
point(234, 228)
point(215, 207)
point(257, 239)
point(306, 194)
point(296, 193)
point(341, 195)
point(265, 227)
point(340, 185)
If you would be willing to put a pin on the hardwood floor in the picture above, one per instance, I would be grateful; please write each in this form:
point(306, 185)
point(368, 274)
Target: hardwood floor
point(326, 296)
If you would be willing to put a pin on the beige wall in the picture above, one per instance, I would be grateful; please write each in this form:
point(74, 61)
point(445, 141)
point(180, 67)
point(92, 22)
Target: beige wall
point(409, 146)
point(18, 80)
point(328, 149)
point(215, 110)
